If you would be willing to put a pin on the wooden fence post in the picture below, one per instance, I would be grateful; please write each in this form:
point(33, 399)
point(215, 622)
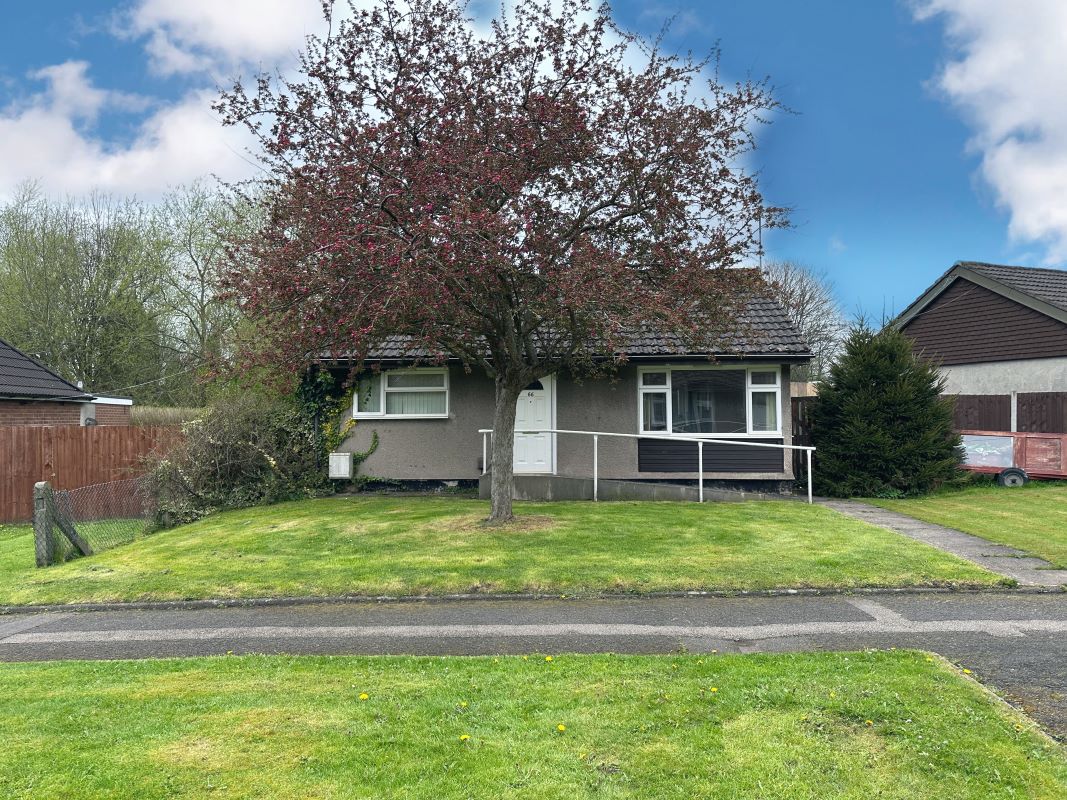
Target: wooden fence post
point(43, 544)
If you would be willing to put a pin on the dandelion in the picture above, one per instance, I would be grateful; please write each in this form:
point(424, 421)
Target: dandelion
point(869, 723)
point(966, 671)
point(548, 658)
point(364, 696)
point(714, 688)
point(561, 727)
point(465, 737)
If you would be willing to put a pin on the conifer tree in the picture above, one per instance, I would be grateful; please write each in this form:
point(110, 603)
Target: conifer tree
point(881, 424)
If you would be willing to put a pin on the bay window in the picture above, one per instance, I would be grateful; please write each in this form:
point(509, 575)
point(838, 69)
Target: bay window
point(402, 393)
point(717, 401)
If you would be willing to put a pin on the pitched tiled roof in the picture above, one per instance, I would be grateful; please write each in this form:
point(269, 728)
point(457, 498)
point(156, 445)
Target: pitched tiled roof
point(1048, 285)
point(763, 330)
point(23, 377)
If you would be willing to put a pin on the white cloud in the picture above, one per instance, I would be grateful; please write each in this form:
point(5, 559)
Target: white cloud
point(193, 35)
point(1006, 72)
point(71, 94)
point(53, 133)
point(175, 144)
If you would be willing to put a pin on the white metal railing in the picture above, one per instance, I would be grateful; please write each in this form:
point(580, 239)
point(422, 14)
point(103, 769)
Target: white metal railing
point(700, 442)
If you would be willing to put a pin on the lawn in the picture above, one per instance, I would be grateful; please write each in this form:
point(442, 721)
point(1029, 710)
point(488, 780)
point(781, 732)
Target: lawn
point(424, 545)
point(1031, 517)
point(828, 725)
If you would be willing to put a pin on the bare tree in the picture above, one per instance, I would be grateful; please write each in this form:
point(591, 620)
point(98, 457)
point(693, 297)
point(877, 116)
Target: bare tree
point(200, 320)
point(808, 297)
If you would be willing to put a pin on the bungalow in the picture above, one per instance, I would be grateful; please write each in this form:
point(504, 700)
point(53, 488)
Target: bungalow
point(32, 394)
point(428, 418)
point(999, 335)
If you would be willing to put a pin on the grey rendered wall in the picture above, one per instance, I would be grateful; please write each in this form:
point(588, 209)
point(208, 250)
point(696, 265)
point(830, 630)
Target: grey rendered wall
point(451, 449)
point(1005, 377)
point(431, 449)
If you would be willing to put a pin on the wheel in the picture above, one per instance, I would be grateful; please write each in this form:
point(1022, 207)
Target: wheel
point(1013, 477)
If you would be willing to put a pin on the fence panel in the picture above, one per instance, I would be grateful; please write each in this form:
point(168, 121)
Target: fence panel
point(70, 457)
point(1042, 412)
point(801, 434)
point(982, 412)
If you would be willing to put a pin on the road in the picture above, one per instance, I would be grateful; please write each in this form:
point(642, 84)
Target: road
point(1014, 642)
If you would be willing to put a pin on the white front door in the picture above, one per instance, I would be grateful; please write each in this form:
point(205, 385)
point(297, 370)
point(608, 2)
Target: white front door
point(533, 450)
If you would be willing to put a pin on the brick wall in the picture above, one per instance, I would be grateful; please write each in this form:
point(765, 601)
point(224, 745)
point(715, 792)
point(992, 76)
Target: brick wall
point(14, 412)
point(112, 414)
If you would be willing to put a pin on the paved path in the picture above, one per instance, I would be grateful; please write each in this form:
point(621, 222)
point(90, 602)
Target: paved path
point(1015, 642)
point(999, 558)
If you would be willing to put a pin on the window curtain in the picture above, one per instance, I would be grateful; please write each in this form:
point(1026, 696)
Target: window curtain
point(414, 402)
point(764, 411)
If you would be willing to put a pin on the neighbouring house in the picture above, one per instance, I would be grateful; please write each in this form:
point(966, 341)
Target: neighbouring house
point(32, 394)
point(428, 417)
point(999, 334)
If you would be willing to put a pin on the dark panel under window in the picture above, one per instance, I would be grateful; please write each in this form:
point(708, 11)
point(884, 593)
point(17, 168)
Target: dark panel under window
point(659, 455)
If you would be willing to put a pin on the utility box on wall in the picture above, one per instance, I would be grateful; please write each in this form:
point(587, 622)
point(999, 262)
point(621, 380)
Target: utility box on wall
point(341, 466)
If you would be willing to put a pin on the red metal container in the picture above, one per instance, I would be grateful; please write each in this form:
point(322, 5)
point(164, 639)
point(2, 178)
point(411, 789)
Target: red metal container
point(1039, 455)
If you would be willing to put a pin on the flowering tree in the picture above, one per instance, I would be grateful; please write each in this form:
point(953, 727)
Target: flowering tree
point(521, 196)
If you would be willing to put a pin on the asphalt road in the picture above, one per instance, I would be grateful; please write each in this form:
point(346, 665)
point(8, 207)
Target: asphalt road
point(1014, 642)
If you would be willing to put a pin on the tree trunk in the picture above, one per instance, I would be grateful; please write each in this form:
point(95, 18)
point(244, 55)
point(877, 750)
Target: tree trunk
point(502, 461)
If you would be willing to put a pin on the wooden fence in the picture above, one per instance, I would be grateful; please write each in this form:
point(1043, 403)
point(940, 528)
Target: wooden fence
point(801, 407)
point(70, 457)
point(1043, 412)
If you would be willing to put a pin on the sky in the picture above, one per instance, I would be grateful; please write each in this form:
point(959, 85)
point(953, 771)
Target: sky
point(918, 132)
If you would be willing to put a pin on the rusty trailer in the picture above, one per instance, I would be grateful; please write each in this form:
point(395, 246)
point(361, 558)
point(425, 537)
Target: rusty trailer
point(1014, 457)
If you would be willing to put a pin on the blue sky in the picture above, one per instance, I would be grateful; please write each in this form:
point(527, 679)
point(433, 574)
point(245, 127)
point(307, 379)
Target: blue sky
point(924, 132)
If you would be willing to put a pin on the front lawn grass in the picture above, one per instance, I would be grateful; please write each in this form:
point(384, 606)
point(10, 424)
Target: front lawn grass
point(1031, 518)
point(426, 545)
point(798, 726)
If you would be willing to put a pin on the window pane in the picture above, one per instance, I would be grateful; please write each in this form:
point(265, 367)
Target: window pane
point(764, 411)
point(654, 409)
point(654, 379)
point(368, 394)
point(412, 380)
point(708, 401)
point(414, 402)
point(764, 378)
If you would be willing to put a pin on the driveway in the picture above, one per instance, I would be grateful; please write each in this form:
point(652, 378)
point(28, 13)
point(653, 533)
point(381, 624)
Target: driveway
point(1013, 642)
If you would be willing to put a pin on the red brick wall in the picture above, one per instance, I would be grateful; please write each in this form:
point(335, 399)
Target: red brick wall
point(13, 412)
point(112, 415)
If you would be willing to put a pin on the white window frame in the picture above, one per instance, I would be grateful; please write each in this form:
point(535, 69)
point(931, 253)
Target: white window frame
point(750, 389)
point(383, 389)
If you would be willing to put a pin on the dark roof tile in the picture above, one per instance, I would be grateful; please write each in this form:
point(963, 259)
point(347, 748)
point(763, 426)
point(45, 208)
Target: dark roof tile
point(23, 377)
point(764, 330)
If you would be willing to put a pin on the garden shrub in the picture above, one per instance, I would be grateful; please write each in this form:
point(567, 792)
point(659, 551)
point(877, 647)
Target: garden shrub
point(247, 448)
point(880, 423)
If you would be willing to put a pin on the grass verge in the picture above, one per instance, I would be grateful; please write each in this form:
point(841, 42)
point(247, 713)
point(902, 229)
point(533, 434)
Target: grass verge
point(829, 725)
point(423, 545)
point(1031, 518)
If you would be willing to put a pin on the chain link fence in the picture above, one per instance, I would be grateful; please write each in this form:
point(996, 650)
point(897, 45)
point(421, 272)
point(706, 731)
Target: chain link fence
point(73, 522)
